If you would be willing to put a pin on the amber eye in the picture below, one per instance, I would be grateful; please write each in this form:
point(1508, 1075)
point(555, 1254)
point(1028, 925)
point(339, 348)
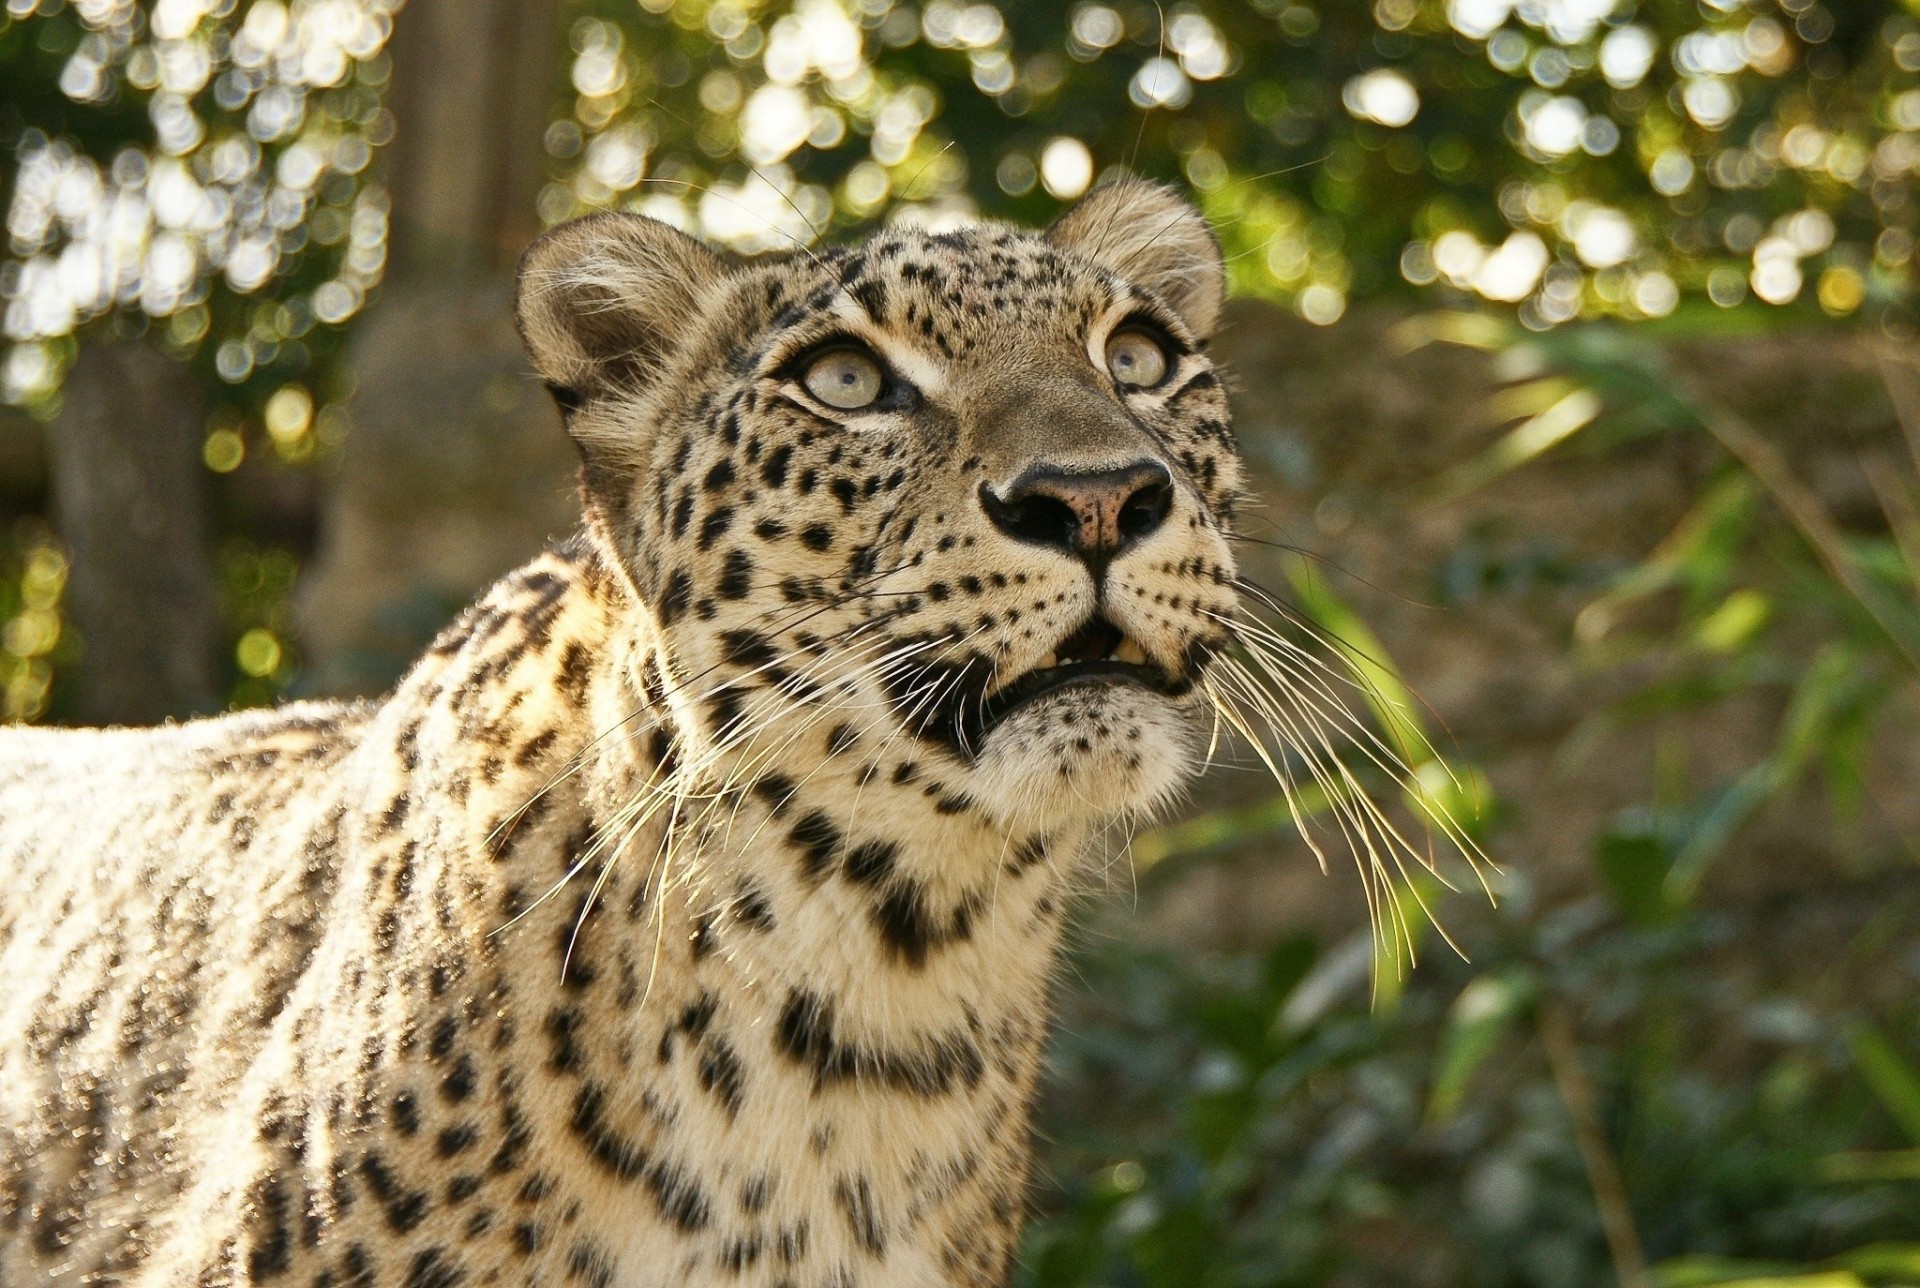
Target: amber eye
point(1136, 358)
point(845, 378)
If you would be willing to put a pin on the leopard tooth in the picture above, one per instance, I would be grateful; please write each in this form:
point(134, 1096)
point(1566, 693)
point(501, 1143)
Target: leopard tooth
point(1128, 651)
point(1048, 662)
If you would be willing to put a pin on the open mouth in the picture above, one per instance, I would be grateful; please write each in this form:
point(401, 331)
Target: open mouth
point(1097, 653)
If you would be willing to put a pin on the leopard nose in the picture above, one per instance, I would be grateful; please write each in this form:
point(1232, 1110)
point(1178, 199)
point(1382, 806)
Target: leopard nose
point(1094, 514)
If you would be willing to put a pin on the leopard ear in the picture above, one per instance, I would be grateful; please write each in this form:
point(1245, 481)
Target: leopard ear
point(602, 301)
point(1153, 237)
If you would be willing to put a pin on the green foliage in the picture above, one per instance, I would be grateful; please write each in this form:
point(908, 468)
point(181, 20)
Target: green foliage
point(1575, 159)
point(1297, 1134)
point(197, 170)
point(1252, 1120)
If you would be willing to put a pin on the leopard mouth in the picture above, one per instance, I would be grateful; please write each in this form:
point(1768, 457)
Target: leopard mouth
point(1097, 653)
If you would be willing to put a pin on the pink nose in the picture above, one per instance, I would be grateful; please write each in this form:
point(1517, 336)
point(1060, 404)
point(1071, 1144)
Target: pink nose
point(1095, 514)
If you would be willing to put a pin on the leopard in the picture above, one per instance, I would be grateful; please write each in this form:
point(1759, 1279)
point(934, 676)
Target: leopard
point(691, 912)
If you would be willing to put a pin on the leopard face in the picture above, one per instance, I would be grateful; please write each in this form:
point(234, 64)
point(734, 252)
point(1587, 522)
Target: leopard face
point(953, 505)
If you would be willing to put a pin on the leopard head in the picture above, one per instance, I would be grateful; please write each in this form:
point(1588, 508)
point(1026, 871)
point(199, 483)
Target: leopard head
point(956, 500)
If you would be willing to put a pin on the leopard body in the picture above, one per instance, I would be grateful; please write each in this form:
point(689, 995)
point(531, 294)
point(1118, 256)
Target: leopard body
point(675, 920)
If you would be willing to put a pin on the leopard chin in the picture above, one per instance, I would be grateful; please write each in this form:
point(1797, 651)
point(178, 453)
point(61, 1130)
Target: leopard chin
point(1097, 751)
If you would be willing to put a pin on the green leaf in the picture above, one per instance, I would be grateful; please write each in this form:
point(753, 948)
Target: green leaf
point(1567, 415)
point(1892, 1079)
point(1634, 862)
point(1867, 1165)
point(1287, 964)
point(1820, 699)
point(1697, 1272)
point(1882, 1261)
point(1481, 1016)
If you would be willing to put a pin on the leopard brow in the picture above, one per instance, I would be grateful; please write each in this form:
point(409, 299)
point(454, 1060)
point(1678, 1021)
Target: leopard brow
point(916, 367)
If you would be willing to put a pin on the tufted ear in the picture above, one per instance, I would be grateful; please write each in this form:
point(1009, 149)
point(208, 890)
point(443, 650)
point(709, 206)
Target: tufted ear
point(603, 300)
point(1153, 237)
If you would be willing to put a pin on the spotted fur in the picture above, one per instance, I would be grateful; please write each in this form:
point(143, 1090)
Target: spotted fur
point(676, 920)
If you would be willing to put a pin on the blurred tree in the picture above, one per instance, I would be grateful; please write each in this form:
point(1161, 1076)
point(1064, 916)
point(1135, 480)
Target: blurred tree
point(130, 501)
point(184, 196)
point(456, 465)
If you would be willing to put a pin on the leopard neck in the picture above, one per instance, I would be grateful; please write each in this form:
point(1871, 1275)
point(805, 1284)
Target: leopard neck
point(836, 965)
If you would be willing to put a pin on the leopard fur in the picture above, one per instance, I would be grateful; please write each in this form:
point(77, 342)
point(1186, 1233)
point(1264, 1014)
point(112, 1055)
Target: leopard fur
point(669, 923)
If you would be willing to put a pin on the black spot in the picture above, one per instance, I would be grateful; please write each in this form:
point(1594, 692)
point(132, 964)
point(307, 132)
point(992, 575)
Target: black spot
point(719, 476)
point(590, 1265)
point(902, 920)
point(752, 909)
point(429, 1269)
point(725, 708)
point(736, 578)
point(561, 1026)
point(747, 648)
point(699, 1014)
point(456, 1140)
point(715, 526)
point(872, 294)
point(863, 1217)
point(406, 1114)
point(721, 1074)
point(932, 1067)
point(775, 790)
point(674, 599)
point(816, 536)
point(1029, 852)
point(405, 1208)
point(774, 470)
point(871, 864)
point(272, 1254)
point(458, 1084)
point(678, 1196)
point(605, 1146)
point(818, 840)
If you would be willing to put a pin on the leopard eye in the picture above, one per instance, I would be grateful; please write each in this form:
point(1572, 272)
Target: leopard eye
point(1136, 359)
point(845, 378)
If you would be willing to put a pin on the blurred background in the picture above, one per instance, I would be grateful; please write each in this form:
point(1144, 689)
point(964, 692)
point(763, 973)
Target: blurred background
point(1575, 360)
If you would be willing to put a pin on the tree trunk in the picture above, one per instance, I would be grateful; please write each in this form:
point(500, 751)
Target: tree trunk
point(473, 84)
point(129, 492)
point(456, 468)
